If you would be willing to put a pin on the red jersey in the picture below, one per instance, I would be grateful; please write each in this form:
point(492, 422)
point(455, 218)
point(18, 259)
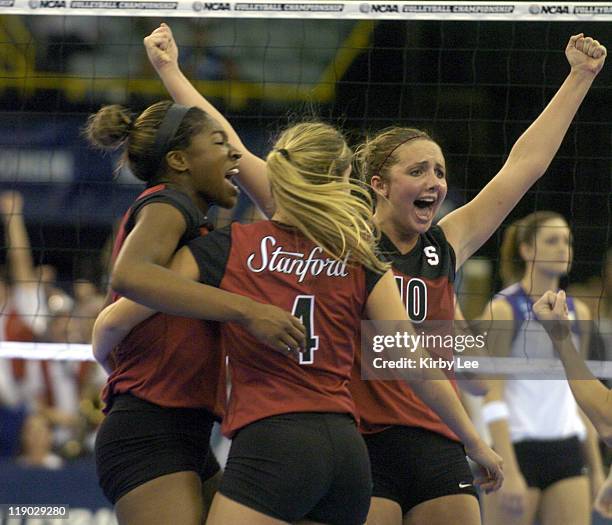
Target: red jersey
point(425, 276)
point(275, 264)
point(168, 360)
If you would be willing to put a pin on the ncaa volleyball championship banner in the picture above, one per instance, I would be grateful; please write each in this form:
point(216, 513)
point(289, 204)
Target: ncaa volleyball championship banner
point(527, 11)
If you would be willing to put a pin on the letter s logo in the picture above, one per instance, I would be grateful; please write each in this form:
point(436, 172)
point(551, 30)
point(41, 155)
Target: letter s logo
point(432, 255)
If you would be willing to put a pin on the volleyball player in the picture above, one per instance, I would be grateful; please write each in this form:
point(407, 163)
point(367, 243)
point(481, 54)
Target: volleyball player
point(418, 465)
point(296, 453)
point(162, 393)
point(535, 423)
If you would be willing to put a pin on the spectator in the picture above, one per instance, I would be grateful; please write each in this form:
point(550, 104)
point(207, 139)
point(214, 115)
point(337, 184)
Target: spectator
point(36, 444)
point(29, 385)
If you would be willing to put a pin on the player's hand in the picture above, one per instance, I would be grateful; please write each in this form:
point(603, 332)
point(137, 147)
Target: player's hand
point(490, 474)
point(603, 501)
point(161, 48)
point(513, 495)
point(585, 54)
point(276, 328)
point(552, 308)
point(11, 203)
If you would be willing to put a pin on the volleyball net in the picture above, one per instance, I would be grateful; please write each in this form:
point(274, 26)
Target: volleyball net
point(475, 74)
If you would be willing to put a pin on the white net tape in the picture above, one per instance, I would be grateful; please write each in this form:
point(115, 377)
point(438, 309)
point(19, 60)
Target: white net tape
point(536, 368)
point(54, 351)
point(328, 9)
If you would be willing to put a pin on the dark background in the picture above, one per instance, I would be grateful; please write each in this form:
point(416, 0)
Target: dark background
point(475, 85)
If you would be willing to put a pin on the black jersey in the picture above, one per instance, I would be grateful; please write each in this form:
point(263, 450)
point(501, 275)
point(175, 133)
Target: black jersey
point(425, 276)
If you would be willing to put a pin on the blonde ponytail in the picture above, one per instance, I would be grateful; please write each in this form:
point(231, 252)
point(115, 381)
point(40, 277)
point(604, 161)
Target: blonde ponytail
point(307, 170)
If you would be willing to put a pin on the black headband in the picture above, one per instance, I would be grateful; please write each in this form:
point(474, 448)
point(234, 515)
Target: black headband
point(166, 132)
point(380, 167)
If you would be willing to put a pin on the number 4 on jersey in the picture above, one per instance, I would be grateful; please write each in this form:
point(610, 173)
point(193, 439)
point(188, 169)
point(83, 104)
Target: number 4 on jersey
point(303, 309)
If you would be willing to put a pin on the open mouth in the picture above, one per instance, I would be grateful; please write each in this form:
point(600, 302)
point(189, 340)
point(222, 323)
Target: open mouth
point(424, 209)
point(425, 203)
point(231, 173)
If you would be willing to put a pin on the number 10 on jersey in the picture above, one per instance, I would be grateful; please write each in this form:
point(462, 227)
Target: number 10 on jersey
point(414, 296)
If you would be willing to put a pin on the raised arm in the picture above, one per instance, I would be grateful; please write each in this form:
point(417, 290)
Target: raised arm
point(163, 55)
point(385, 304)
point(28, 296)
point(468, 227)
point(592, 396)
point(19, 252)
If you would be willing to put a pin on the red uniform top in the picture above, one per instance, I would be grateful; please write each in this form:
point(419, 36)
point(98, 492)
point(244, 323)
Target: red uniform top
point(168, 360)
point(274, 264)
point(425, 276)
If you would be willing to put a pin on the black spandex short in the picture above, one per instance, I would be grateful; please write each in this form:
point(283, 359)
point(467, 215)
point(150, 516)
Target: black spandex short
point(139, 441)
point(411, 465)
point(544, 462)
point(301, 466)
